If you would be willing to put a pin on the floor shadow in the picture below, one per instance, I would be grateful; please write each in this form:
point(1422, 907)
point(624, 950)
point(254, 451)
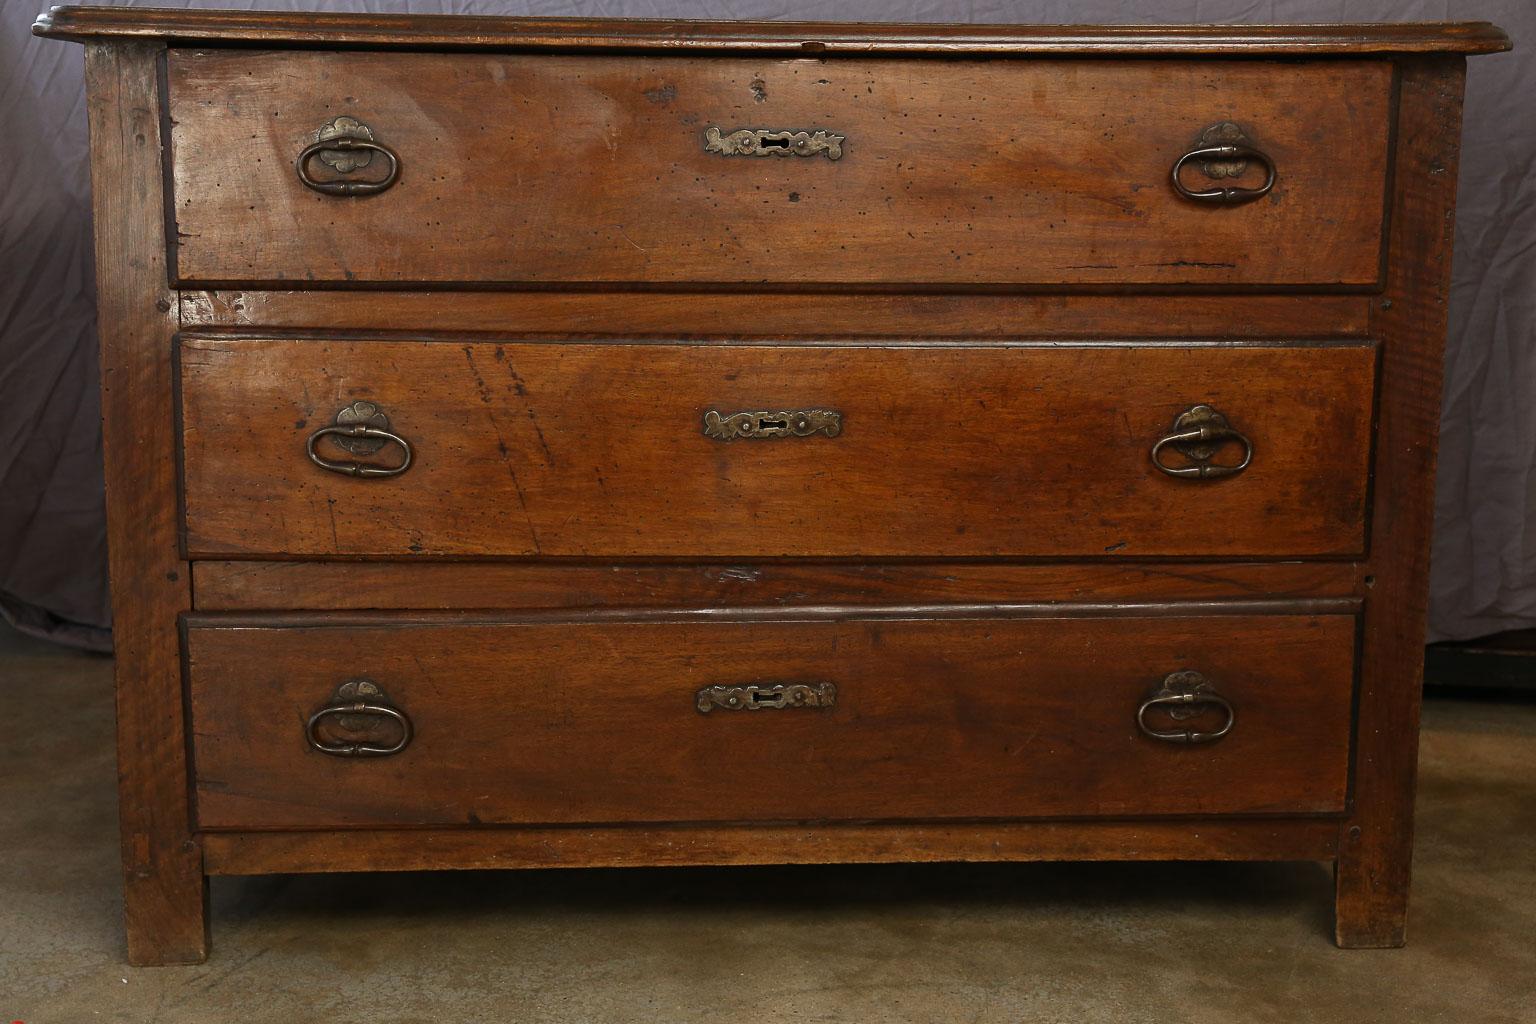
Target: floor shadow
point(791, 890)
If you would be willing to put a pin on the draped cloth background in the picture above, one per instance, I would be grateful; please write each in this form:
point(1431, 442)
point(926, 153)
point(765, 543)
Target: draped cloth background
point(53, 576)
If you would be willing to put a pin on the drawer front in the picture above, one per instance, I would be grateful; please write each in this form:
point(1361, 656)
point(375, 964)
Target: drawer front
point(567, 722)
point(679, 450)
point(604, 169)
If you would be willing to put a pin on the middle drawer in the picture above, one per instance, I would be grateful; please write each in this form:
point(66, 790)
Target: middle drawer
point(631, 450)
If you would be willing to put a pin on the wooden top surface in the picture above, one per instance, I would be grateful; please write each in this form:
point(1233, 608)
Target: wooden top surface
point(422, 31)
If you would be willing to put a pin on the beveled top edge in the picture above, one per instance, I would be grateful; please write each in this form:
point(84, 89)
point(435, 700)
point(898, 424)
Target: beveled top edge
point(438, 31)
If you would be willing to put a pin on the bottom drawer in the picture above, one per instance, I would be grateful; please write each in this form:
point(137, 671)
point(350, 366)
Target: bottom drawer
point(999, 716)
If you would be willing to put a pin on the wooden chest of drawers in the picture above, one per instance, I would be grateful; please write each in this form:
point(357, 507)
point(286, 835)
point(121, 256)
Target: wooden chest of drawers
point(605, 443)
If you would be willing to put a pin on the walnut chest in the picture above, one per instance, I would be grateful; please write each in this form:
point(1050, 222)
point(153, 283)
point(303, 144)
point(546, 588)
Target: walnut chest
point(558, 443)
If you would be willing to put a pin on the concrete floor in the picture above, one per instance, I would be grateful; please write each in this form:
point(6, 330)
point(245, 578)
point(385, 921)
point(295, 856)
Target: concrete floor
point(1008, 943)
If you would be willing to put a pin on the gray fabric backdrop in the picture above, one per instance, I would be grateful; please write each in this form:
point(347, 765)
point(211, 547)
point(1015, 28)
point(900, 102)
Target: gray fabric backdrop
point(52, 537)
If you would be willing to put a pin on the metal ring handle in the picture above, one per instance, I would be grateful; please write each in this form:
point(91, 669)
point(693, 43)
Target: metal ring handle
point(348, 188)
point(1225, 194)
point(1186, 698)
point(1207, 433)
point(362, 469)
point(358, 749)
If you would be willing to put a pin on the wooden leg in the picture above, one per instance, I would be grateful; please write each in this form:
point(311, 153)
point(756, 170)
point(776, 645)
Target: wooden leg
point(164, 889)
point(1370, 900)
point(165, 901)
point(1376, 842)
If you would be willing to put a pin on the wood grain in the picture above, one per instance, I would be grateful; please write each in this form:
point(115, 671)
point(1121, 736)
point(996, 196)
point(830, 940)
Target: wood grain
point(164, 890)
point(1376, 846)
point(598, 450)
point(995, 285)
point(787, 315)
point(252, 853)
point(811, 38)
point(338, 586)
point(550, 722)
point(593, 169)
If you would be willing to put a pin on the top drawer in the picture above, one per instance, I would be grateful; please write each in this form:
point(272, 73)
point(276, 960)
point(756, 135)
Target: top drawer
point(599, 169)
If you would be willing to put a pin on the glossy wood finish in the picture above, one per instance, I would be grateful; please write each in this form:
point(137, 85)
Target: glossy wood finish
point(341, 586)
point(593, 169)
point(1376, 846)
point(595, 721)
point(598, 450)
point(164, 892)
point(815, 38)
point(257, 853)
point(787, 315)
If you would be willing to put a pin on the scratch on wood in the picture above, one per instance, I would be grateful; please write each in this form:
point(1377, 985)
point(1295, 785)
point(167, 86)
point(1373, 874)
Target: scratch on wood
point(503, 450)
point(335, 540)
point(533, 418)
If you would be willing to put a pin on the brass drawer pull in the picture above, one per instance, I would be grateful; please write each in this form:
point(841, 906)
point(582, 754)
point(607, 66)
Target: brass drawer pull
point(787, 423)
point(362, 429)
point(1224, 150)
point(357, 705)
point(346, 144)
point(760, 696)
point(1198, 434)
point(768, 142)
point(1181, 697)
